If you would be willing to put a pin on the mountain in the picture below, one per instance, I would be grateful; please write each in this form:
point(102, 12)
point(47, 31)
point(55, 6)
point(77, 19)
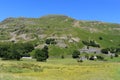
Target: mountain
point(68, 32)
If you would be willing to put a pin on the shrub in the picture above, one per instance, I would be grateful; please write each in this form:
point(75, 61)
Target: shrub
point(75, 54)
point(111, 56)
point(79, 60)
point(47, 41)
point(86, 56)
point(105, 51)
point(100, 57)
point(62, 57)
point(116, 55)
point(86, 43)
point(100, 38)
point(50, 41)
point(111, 49)
point(91, 58)
point(117, 50)
point(91, 43)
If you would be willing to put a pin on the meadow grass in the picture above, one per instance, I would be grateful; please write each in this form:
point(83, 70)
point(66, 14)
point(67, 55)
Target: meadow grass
point(59, 69)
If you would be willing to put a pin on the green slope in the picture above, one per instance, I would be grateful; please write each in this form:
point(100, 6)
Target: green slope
point(59, 26)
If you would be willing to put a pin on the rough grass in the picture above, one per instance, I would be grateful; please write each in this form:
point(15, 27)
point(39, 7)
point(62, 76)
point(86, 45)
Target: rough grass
point(59, 69)
point(60, 26)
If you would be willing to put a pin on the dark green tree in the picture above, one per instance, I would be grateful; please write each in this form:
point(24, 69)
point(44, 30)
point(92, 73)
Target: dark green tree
point(45, 49)
point(4, 50)
point(15, 52)
point(41, 55)
point(26, 48)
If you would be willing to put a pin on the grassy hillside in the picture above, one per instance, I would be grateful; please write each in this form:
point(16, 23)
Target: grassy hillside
point(67, 31)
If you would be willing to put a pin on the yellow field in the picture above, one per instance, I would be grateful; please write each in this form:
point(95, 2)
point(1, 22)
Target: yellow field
point(59, 69)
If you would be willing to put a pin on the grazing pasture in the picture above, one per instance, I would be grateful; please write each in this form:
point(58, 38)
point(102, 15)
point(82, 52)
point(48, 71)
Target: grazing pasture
point(59, 69)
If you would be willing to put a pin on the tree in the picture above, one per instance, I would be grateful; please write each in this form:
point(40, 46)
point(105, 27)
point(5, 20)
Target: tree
point(10, 51)
point(15, 52)
point(45, 49)
point(75, 54)
point(26, 48)
point(4, 50)
point(41, 55)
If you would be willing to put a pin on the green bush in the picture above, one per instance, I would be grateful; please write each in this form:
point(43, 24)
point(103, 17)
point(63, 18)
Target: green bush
point(50, 41)
point(105, 51)
point(111, 49)
point(91, 58)
point(118, 50)
point(62, 57)
point(75, 54)
point(100, 38)
point(116, 55)
point(91, 43)
point(86, 55)
point(100, 57)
